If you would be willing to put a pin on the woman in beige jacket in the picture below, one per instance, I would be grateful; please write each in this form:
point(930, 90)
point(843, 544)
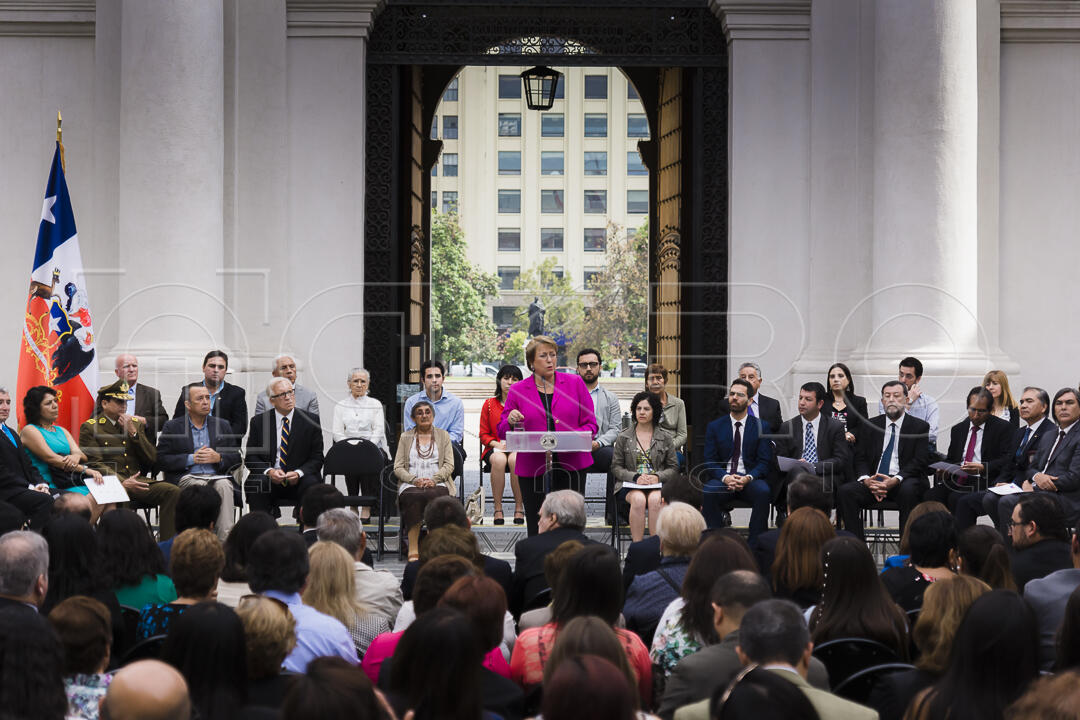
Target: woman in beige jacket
point(424, 468)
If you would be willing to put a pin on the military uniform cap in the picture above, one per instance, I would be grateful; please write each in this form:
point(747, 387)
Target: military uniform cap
point(119, 390)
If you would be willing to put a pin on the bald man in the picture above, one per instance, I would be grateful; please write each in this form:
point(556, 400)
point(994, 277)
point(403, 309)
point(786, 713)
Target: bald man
point(147, 690)
point(146, 405)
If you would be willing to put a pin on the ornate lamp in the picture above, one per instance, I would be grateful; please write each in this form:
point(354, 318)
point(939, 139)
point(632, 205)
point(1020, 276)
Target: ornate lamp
point(540, 84)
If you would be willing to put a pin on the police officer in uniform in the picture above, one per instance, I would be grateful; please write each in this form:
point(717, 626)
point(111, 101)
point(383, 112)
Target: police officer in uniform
point(117, 444)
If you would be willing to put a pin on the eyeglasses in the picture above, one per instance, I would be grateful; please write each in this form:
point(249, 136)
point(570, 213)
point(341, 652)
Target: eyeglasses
point(287, 393)
point(1016, 523)
point(588, 364)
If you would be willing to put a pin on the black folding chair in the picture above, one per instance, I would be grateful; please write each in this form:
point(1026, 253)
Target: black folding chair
point(844, 657)
point(356, 456)
point(859, 686)
point(148, 649)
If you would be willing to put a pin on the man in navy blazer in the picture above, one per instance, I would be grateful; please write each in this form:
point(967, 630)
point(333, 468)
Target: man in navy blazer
point(737, 470)
point(18, 477)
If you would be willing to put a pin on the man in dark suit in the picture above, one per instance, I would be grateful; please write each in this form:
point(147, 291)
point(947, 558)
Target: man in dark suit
point(979, 445)
point(816, 439)
point(890, 462)
point(644, 556)
point(1048, 597)
point(562, 518)
point(284, 452)
point(200, 449)
point(227, 402)
point(18, 476)
point(1040, 538)
point(737, 460)
point(146, 406)
point(24, 570)
point(761, 406)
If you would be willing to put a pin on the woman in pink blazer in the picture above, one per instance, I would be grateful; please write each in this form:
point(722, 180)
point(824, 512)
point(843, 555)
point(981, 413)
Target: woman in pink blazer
point(551, 401)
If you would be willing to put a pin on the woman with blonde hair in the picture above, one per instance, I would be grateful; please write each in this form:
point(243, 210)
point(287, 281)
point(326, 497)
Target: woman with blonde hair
point(331, 589)
point(797, 574)
point(269, 637)
point(1005, 408)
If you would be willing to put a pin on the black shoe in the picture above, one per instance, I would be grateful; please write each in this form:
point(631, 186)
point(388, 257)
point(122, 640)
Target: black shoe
point(725, 519)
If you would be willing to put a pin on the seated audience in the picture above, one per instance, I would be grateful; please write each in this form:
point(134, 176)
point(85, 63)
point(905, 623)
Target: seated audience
point(933, 556)
point(816, 438)
point(317, 500)
point(978, 444)
point(944, 606)
point(997, 383)
point(591, 636)
point(918, 404)
point(449, 411)
point(554, 564)
point(643, 455)
point(361, 416)
point(589, 681)
point(904, 557)
point(1053, 697)
point(999, 630)
point(494, 448)
point(377, 590)
point(854, 601)
point(843, 404)
point(797, 574)
point(31, 666)
point(1068, 636)
point(424, 468)
point(84, 628)
point(1048, 597)
point(11, 518)
point(130, 562)
point(447, 540)
point(679, 528)
point(24, 570)
point(269, 637)
point(644, 556)
point(331, 589)
point(198, 507)
point(278, 568)
point(605, 406)
point(761, 694)
point(1040, 538)
point(233, 584)
point(147, 690)
point(673, 415)
point(24, 494)
point(331, 688)
point(284, 366)
point(982, 554)
point(805, 490)
point(686, 625)
point(197, 560)
point(230, 401)
point(206, 644)
point(72, 504)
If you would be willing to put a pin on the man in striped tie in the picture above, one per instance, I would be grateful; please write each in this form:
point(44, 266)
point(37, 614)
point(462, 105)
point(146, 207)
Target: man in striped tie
point(284, 452)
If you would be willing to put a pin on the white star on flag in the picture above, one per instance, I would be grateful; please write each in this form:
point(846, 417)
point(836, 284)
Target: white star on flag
point(46, 210)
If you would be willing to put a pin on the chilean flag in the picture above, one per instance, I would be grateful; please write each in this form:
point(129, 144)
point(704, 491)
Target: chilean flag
point(58, 335)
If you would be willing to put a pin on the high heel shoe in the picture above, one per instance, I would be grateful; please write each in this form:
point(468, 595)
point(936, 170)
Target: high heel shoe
point(519, 517)
point(498, 518)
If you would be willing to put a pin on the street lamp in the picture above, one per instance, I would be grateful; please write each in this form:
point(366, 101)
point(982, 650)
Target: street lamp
point(540, 84)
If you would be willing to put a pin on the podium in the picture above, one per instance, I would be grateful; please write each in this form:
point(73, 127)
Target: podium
point(548, 443)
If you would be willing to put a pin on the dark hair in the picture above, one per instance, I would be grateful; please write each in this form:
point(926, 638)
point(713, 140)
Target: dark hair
point(84, 628)
point(981, 393)
point(556, 560)
point(797, 563)
point(656, 369)
point(854, 602)
point(483, 602)
point(317, 500)
point(1068, 635)
point(418, 404)
point(443, 511)
point(451, 540)
point(238, 544)
point(718, 554)
point(654, 403)
point(66, 504)
point(894, 383)
point(763, 695)
point(994, 656)
point(923, 508)
point(195, 562)
point(1063, 391)
point(450, 688)
point(1047, 514)
point(774, 631)
point(850, 390)
point(913, 363)
point(739, 588)
point(331, 688)
point(745, 384)
point(1044, 397)
point(680, 489)
point(206, 644)
point(32, 403)
point(985, 556)
point(590, 351)
point(817, 388)
point(807, 490)
point(590, 584)
point(278, 560)
point(506, 371)
point(197, 507)
point(126, 550)
point(589, 635)
point(432, 364)
point(435, 578)
point(31, 663)
point(216, 354)
point(73, 560)
point(588, 681)
point(931, 538)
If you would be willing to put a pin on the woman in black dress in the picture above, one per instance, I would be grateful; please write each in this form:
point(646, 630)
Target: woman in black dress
point(844, 404)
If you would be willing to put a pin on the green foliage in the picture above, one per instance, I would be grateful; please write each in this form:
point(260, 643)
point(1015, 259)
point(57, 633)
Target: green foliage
point(461, 327)
point(512, 348)
point(564, 304)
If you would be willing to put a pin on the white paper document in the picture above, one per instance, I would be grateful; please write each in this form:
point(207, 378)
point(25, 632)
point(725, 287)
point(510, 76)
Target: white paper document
point(1009, 489)
point(639, 486)
point(788, 464)
point(110, 491)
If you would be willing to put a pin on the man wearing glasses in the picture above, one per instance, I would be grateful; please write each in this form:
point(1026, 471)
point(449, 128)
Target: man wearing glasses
point(608, 418)
point(284, 451)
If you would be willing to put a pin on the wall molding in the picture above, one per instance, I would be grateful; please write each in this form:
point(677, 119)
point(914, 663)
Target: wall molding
point(1040, 21)
point(763, 19)
point(70, 18)
point(331, 18)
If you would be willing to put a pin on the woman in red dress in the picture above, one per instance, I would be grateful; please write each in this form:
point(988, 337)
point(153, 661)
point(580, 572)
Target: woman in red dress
point(494, 448)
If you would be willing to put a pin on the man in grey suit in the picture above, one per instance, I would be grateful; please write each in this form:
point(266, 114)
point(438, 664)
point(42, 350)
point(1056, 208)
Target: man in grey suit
point(697, 676)
point(306, 400)
point(1048, 597)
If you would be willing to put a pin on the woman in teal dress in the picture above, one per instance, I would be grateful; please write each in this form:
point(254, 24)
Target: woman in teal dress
point(52, 449)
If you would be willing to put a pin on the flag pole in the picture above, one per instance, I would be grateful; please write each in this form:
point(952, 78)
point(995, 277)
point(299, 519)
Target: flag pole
point(60, 139)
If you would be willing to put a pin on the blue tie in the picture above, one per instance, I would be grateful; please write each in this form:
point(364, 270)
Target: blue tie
point(810, 447)
point(10, 435)
point(1023, 443)
point(886, 457)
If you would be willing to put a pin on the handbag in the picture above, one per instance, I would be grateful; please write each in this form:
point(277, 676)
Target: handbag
point(474, 506)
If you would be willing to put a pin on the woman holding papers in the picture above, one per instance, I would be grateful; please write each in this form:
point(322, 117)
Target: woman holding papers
point(644, 459)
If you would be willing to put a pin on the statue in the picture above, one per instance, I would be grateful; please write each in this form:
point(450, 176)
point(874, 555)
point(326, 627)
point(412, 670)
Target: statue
point(536, 317)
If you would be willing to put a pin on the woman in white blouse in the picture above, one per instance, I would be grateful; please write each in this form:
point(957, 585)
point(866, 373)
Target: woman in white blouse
point(361, 416)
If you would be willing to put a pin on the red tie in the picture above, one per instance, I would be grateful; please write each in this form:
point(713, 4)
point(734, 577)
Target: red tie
point(970, 452)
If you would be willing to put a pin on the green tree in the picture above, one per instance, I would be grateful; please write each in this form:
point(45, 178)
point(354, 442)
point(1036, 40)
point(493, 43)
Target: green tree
point(563, 303)
point(461, 327)
point(512, 348)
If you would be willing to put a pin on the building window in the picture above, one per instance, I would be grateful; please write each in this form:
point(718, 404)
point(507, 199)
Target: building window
point(502, 316)
point(595, 240)
point(551, 162)
point(449, 201)
point(509, 87)
point(631, 91)
point(560, 87)
point(449, 164)
point(551, 201)
point(509, 201)
point(509, 124)
point(595, 125)
point(557, 273)
point(551, 239)
point(596, 201)
point(449, 127)
point(596, 163)
point(507, 275)
point(637, 125)
point(435, 170)
point(637, 202)
point(435, 128)
point(596, 87)
point(551, 125)
point(590, 277)
point(634, 166)
point(509, 162)
point(434, 200)
point(510, 239)
point(450, 94)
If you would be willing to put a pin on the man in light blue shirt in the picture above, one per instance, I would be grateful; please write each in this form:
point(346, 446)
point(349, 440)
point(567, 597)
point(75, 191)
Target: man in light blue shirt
point(278, 568)
point(919, 404)
point(449, 410)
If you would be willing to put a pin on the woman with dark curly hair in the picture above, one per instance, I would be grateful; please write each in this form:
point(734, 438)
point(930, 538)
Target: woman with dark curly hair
point(130, 561)
point(31, 667)
point(644, 455)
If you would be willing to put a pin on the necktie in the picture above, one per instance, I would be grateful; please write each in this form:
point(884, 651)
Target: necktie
point(10, 436)
point(1023, 444)
point(283, 446)
point(750, 410)
point(1053, 450)
point(969, 454)
point(736, 449)
point(886, 456)
point(809, 446)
